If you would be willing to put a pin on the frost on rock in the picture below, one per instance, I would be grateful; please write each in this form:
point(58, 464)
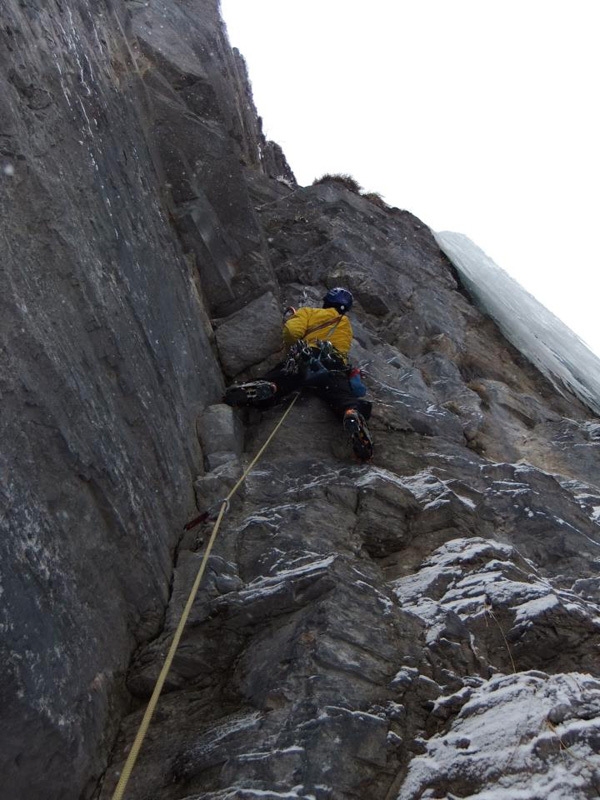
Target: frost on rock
point(428, 489)
point(588, 497)
point(482, 590)
point(519, 737)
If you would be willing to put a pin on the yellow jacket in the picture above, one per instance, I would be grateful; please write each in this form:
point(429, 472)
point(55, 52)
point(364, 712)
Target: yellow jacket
point(302, 323)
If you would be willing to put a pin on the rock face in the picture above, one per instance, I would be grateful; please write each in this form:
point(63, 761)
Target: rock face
point(239, 350)
point(120, 235)
point(425, 625)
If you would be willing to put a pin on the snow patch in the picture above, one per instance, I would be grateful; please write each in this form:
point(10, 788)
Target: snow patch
point(428, 489)
point(503, 745)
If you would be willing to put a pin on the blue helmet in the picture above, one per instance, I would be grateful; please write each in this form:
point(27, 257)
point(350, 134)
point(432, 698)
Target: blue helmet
point(338, 298)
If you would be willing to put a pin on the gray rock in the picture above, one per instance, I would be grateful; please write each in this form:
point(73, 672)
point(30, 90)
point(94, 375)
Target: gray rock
point(467, 757)
point(205, 128)
point(220, 430)
point(218, 459)
point(250, 335)
point(105, 367)
point(213, 487)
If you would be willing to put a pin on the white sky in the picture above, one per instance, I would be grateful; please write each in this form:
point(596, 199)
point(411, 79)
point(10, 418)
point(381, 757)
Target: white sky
point(479, 116)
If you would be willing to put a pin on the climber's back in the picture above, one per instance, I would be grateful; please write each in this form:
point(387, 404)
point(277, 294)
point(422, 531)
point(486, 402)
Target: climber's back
point(326, 324)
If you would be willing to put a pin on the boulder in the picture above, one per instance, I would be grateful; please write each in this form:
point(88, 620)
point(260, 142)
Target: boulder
point(250, 335)
point(220, 431)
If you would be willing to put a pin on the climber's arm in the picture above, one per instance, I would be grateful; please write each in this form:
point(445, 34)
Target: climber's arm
point(295, 327)
point(342, 336)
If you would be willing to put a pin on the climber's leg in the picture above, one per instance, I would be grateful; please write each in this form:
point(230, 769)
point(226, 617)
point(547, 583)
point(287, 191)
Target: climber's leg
point(272, 387)
point(356, 427)
point(336, 392)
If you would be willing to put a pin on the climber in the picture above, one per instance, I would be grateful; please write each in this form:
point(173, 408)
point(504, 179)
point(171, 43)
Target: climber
point(318, 341)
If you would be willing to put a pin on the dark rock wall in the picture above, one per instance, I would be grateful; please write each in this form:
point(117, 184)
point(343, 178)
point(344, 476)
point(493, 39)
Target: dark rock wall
point(356, 620)
point(106, 349)
point(205, 129)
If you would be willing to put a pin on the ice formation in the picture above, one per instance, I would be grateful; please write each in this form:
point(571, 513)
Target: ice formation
point(536, 332)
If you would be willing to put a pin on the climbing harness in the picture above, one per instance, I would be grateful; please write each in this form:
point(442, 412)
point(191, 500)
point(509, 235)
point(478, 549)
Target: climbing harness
point(145, 723)
point(303, 358)
point(330, 356)
point(298, 358)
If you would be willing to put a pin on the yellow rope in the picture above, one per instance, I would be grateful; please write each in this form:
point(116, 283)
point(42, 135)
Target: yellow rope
point(145, 723)
point(489, 609)
point(567, 748)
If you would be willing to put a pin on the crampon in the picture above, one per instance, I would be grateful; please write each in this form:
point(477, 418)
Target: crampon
point(356, 427)
point(246, 394)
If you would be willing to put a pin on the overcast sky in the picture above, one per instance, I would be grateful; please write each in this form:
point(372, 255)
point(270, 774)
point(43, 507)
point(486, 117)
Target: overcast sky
point(479, 116)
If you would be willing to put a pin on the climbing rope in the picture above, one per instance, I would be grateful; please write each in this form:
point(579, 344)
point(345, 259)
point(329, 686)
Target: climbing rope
point(145, 723)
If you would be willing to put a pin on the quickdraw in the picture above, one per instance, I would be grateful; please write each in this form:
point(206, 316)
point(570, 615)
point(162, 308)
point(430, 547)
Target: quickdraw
point(301, 357)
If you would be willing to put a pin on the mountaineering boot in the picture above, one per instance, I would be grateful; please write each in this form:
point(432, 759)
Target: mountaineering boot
point(355, 425)
point(245, 394)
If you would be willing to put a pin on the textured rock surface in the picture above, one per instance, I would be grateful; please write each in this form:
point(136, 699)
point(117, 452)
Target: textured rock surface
point(364, 631)
point(106, 356)
point(250, 335)
point(205, 130)
point(364, 604)
point(512, 736)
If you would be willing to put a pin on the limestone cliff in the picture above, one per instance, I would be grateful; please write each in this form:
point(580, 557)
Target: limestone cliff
point(424, 625)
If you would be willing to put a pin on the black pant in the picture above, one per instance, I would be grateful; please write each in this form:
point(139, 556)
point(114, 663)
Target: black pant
point(332, 387)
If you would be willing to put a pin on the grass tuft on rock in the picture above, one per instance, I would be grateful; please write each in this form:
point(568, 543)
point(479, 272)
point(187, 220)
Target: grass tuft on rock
point(348, 182)
point(345, 180)
point(376, 199)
